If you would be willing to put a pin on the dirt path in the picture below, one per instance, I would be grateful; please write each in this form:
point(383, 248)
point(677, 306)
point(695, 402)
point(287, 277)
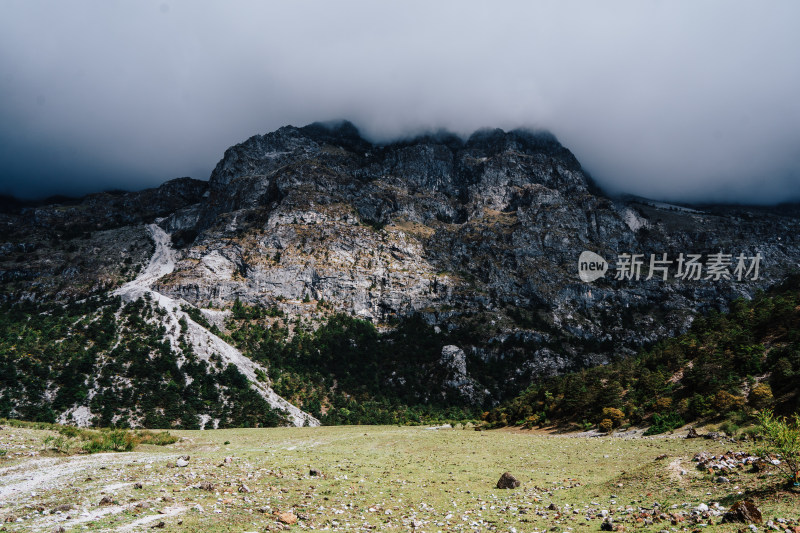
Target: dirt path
point(18, 481)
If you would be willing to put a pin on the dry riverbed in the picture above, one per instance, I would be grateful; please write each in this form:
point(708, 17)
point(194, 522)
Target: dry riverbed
point(381, 479)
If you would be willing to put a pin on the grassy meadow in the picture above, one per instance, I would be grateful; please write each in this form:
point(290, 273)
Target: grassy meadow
point(374, 478)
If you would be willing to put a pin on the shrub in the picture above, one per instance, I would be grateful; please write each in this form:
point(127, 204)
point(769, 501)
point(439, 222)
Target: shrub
point(530, 421)
point(59, 443)
point(160, 438)
point(615, 415)
point(725, 402)
point(664, 423)
point(683, 406)
point(663, 404)
point(105, 440)
point(729, 427)
point(606, 425)
point(781, 438)
point(761, 396)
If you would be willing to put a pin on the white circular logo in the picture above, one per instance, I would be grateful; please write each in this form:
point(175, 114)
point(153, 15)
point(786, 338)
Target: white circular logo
point(591, 266)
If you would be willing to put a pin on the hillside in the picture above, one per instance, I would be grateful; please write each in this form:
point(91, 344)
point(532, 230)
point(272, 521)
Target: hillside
point(725, 366)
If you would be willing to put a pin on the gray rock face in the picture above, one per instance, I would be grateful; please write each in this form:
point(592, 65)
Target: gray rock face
point(478, 235)
point(454, 359)
point(75, 247)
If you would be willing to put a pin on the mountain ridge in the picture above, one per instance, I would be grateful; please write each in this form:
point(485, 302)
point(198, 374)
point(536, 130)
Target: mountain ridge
point(478, 239)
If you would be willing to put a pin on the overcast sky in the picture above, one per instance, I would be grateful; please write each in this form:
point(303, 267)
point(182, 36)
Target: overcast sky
point(676, 100)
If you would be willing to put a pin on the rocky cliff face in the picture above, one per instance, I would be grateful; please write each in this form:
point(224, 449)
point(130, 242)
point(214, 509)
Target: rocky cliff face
point(480, 237)
point(76, 247)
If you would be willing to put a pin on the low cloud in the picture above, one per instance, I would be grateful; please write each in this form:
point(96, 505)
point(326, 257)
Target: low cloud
point(674, 100)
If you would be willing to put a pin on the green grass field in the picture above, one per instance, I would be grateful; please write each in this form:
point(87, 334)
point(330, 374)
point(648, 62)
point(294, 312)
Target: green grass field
point(373, 478)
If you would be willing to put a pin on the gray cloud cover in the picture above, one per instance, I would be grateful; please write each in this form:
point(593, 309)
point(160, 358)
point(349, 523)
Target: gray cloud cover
point(677, 100)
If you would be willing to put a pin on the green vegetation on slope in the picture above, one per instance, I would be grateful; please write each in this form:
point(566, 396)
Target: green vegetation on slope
point(346, 372)
point(118, 361)
point(52, 356)
point(726, 364)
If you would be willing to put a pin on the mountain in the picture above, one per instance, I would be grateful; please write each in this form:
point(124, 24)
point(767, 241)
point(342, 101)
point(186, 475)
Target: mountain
point(366, 282)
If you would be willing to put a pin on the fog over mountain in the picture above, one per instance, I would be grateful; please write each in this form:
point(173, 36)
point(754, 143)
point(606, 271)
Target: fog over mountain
point(681, 101)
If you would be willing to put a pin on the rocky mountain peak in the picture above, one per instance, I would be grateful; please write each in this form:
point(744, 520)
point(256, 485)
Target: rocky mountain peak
point(490, 168)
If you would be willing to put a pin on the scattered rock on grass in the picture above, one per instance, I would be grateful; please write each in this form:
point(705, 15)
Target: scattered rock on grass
point(106, 500)
point(182, 461)
point(314, 472)
point(743, 511)
point(205, 485)
point(287, 518)
point(507, 481)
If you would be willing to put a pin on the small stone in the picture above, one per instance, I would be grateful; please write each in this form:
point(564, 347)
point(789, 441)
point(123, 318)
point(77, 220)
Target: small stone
point(205, 485)
point(287, 518)
point(106, 500)
point(137, 485)
point(158, 525)
point(183, 461)
point(723, 479)
point(244, 488)
point(314, 473)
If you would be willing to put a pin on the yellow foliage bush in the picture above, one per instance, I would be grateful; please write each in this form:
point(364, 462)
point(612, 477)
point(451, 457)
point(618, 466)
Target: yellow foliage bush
point(615, 415)
point(761, 395)
point(724, 402)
